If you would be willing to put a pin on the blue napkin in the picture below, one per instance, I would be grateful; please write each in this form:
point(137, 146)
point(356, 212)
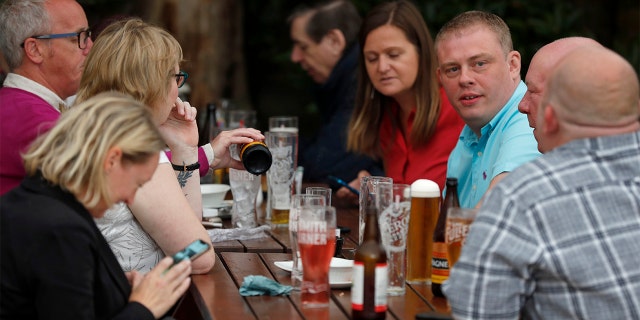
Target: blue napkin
point(261, 285)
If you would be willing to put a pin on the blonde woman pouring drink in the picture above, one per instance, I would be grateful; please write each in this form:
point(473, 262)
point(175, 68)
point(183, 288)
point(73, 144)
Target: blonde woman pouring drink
point(142, 60)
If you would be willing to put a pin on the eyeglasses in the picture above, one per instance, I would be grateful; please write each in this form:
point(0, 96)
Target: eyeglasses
point(181, 78)
point(83, 37)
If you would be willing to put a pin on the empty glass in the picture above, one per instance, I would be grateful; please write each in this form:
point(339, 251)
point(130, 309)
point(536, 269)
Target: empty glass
point(242, 119)
point(394, 205)
point(368, 187)
point(322, 191)
point(244, 187)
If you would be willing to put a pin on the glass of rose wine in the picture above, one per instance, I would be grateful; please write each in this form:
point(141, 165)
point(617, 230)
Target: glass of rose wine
point(316, 242)
point(298, 201)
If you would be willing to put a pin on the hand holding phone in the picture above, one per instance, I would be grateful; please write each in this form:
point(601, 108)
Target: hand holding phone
point(192, 251)
point(344, 184)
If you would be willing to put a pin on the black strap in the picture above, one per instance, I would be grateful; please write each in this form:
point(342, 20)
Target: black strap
point(184, 167)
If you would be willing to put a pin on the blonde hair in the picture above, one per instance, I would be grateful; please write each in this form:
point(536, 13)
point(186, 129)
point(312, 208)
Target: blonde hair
point(474, 18)
point(132, 57)
point(71, 155)
point(371, 106)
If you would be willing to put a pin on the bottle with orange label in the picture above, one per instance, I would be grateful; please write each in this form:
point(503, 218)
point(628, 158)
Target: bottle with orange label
point(439, 259)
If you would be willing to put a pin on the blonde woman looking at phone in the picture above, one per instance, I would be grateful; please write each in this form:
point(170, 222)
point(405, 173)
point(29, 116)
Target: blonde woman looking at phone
point(55, 262)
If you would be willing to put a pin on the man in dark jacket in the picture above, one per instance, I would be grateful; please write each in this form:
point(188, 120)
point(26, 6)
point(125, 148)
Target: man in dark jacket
point(325, 46)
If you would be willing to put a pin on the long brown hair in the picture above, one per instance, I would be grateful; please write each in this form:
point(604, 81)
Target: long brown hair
point(371, 105)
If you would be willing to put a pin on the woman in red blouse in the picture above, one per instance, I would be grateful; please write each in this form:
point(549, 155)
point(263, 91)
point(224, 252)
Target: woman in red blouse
point(401, 114)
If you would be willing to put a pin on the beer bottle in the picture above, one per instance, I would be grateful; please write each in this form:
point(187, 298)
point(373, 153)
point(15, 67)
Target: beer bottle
point(439, 261)
point(370, 278)
point(255, 157)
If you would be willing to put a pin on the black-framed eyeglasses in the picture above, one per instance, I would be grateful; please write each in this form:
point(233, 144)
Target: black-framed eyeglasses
point(181, 78)
point(83, 37)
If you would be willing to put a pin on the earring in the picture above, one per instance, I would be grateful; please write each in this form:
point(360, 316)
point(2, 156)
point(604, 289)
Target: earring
point(373, 92)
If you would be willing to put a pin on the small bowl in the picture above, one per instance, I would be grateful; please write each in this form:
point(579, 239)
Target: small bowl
point(341, 270)
point(213, 194)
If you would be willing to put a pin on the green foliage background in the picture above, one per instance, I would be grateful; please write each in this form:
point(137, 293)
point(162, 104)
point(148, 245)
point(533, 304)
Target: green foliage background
point(279, 87)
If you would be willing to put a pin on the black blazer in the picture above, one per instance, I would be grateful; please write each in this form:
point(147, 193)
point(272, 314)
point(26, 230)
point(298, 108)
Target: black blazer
point(55, 263)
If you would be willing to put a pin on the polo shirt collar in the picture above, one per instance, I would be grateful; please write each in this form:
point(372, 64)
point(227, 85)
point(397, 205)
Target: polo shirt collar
point(468, 136)
point(17, 81)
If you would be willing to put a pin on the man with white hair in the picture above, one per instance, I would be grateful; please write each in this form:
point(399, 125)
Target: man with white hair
point(44, 44)
point(558, 237)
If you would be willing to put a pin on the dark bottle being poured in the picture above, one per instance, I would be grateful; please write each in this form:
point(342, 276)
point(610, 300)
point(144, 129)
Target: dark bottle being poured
point(439, 259)
point(255, 157)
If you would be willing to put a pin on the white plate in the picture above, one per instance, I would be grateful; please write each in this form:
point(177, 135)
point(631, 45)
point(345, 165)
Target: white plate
point(284, 265)
point(335, 262)
point(336, 265)
point(222, 210)
point(222, 204)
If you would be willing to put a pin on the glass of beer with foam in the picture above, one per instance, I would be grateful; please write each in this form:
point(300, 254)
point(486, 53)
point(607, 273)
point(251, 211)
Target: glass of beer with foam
point(425, 208)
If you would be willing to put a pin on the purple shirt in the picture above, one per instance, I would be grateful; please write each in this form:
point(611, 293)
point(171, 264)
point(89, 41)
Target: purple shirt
point(23, 117)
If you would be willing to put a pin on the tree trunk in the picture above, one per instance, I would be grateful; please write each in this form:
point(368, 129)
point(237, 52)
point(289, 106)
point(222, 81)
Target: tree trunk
point(211, 35)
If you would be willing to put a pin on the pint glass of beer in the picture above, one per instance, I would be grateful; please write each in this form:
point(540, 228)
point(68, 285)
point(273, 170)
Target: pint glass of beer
point(425, 207)
point(458, 222)
point(283, 147)
point(316, 241)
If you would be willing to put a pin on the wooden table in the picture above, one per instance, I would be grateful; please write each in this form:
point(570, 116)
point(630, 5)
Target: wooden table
point(215, 295)
point(278, 240)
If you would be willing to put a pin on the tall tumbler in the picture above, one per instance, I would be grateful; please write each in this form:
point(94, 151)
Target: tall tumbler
point(425, 207)
point(297, 203)
point(281, 124)
point(283, 147)
point(394, 207)
point(317, 241)
point(244, 187)
point(321, 191)
point(242, 119)
point(368, 189)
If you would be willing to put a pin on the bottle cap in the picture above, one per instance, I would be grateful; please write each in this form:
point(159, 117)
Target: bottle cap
point(423, 188)
point(451, 181)
point(256, 157)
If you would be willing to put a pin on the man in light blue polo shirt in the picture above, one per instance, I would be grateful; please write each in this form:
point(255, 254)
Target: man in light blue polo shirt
point(480, 72)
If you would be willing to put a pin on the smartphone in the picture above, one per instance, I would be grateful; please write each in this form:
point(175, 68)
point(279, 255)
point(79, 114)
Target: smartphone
point(192, 251)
